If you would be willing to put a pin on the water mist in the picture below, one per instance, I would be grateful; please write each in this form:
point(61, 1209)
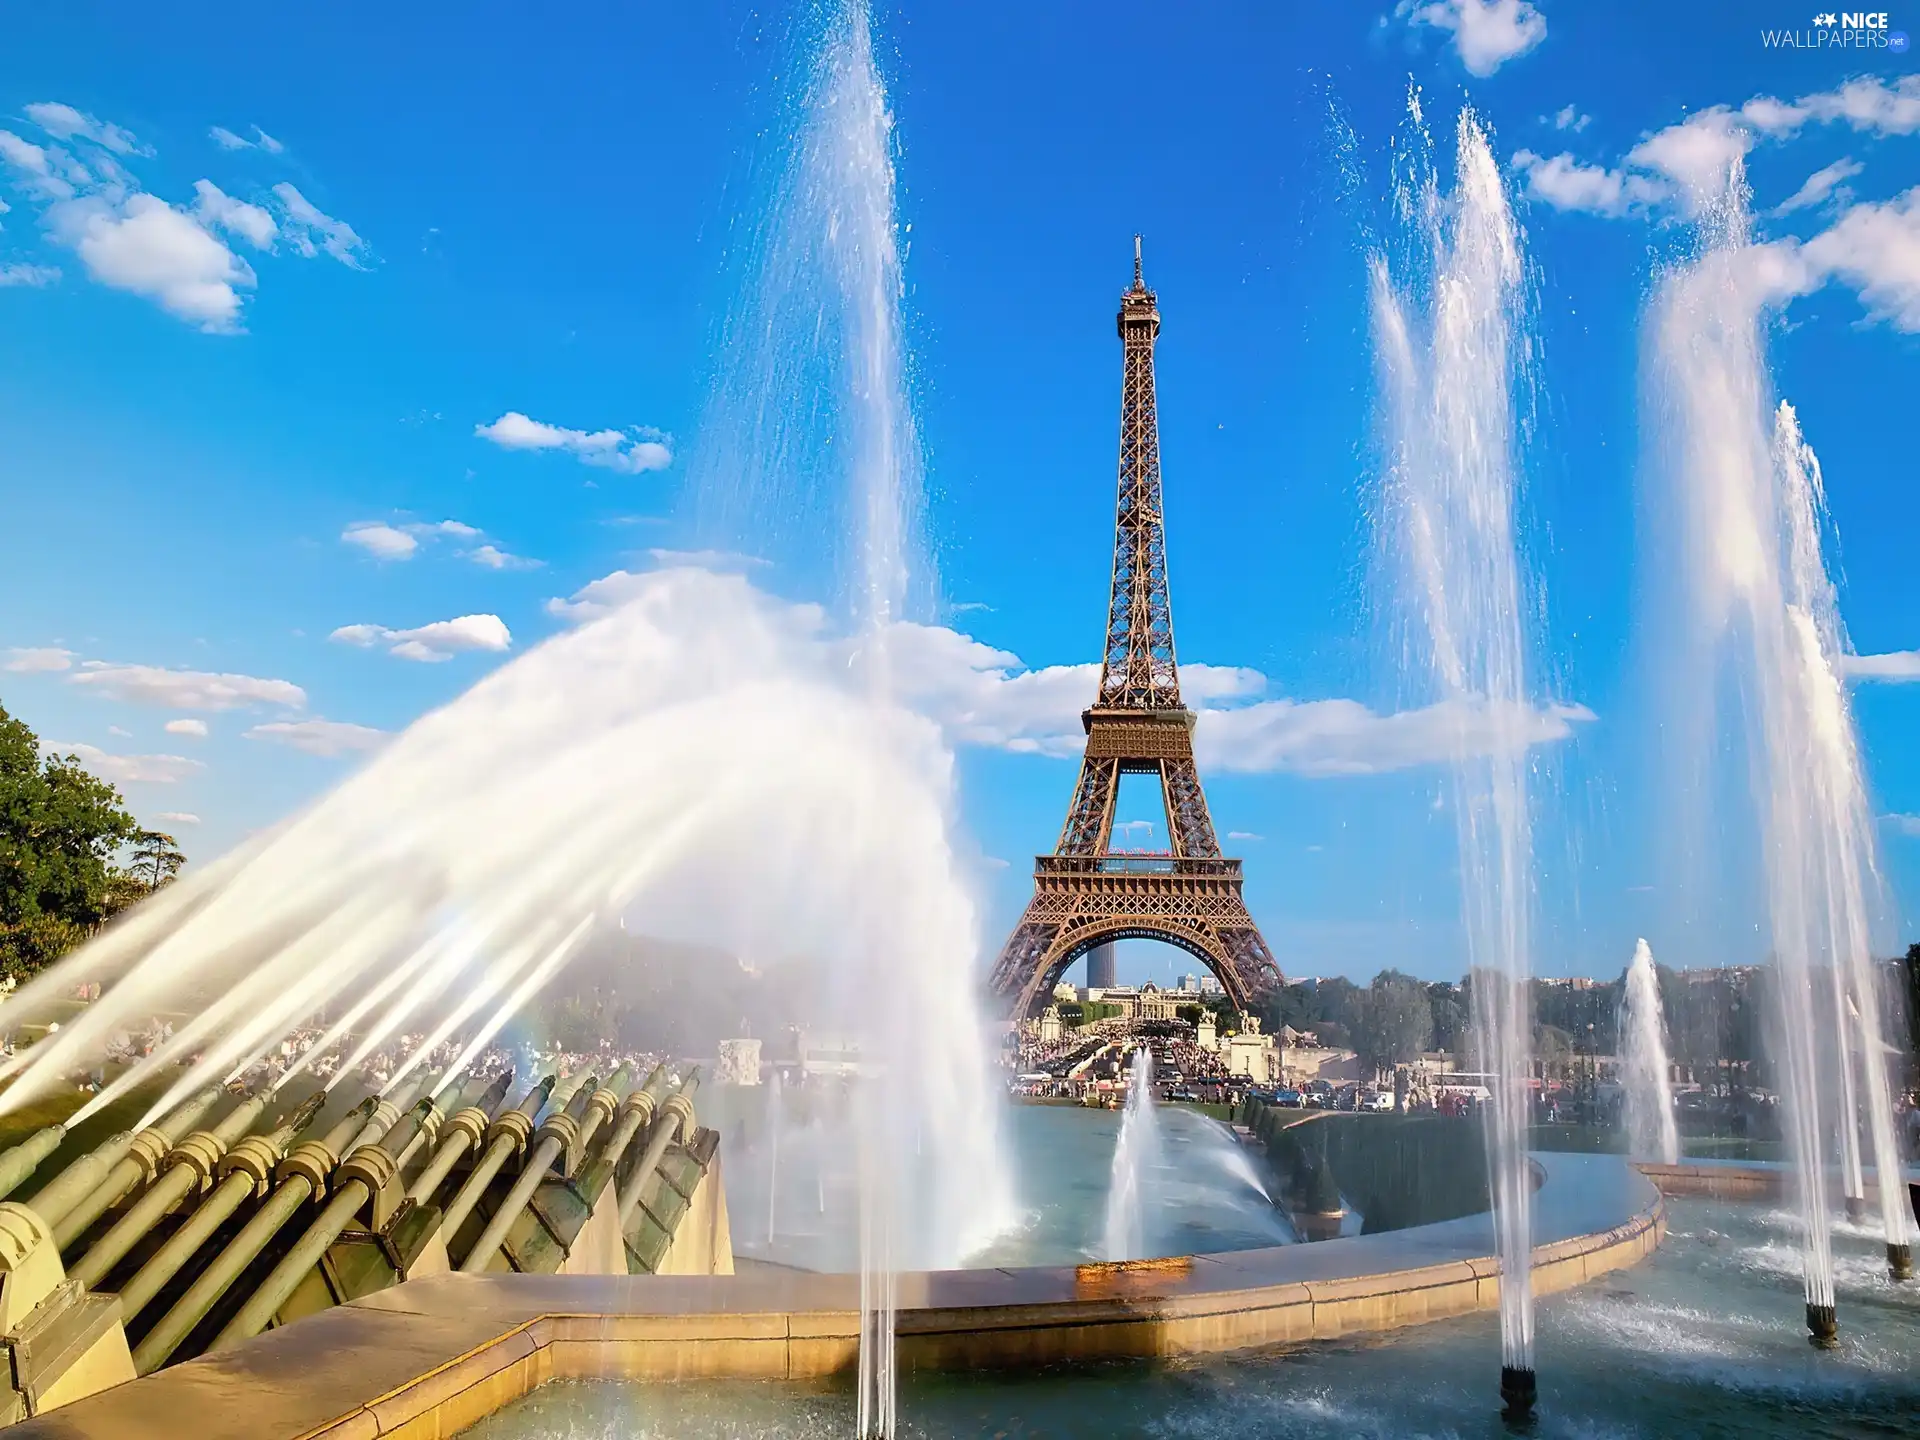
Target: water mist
point(1451, 341)
point(1136, 1155)
point(1756, 615)
point(1647, 1091)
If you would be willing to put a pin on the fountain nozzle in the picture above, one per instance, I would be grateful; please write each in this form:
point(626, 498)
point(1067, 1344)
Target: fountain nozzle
point(1899, 1261)
point(1518, 1392)
point(1823, 1327)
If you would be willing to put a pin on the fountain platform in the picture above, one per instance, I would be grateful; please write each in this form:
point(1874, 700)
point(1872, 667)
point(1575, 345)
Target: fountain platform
point(431, 1356)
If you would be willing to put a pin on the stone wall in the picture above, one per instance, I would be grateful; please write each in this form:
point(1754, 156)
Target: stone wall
point(1396, 1170)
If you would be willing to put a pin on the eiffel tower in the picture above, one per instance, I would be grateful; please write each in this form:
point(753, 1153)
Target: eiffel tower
point(1085, 894)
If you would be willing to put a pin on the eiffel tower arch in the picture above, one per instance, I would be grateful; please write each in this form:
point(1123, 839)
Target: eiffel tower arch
point(1085, 893)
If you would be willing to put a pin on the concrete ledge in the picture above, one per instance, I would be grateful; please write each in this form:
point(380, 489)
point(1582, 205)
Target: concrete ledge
point(428, 1358)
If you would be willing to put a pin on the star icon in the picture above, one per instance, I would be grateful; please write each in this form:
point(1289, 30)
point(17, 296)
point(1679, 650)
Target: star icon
point(1826, 20)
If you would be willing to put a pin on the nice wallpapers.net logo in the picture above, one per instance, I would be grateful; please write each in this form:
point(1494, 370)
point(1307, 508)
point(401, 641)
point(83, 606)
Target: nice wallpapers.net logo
point(1841, 30)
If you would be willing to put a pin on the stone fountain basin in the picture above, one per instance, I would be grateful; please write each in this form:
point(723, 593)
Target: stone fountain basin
point(432, 1356)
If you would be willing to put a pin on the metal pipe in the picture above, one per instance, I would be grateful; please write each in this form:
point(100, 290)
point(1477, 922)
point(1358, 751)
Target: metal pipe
point(245, 1171)
point(636, 1112)
point(363, 1174)
point(558, 1133)
point(461, 1133)
point(139, 1163)
point(599, 1108)
point(189, 1167)
point(505, 1137)
point(300, 1174)
point(676, 1117)
point(23, 1159)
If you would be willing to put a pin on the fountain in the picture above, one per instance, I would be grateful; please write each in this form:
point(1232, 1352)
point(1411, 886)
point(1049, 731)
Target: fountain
point(1451, 340)
point(775, 1119)
point(1755, 607)
point(1135, 1157)
point(1647, 1111)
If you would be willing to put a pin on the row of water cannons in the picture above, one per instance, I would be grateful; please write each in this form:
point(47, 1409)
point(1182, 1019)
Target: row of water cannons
point(146, 1220)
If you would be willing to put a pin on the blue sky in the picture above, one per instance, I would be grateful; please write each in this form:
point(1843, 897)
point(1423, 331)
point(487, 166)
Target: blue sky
point(326, 281)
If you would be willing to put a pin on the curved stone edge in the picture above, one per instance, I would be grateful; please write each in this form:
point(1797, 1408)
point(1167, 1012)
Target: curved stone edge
point(427, 1364)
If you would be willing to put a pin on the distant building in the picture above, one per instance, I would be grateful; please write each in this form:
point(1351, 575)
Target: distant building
point(1153, 1003)
point(740, 1062)
point(1064, 991)
point(1101, 971)
point(1189, 985)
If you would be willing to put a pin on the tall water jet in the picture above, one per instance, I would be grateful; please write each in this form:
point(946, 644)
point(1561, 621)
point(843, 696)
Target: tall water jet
point(1758, 619)
point(1646, 1087)
point(1136, 1155)
point(775, 1119)
point(811, 418)
point(1451, 343)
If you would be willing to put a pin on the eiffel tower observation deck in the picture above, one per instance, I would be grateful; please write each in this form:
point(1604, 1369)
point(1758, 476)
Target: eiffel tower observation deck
point(1085, 893)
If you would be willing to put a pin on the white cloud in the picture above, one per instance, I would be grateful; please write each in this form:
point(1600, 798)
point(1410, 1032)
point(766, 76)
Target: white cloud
point(1343, 737)
point(127, 769)
point(116, 730)
point(195, 728)
point(1897, 666)
point(383, 542)
point(23, 154)
point(979, 695)
point(236, 217)
point(1868, 104)
point(178, 817)
point(227, 140)
point(628, 451)
point(1244, 835)
point(310, 230)
point(63, 122)
point(175, 255)
point(1486, 33)
point(441, 640)
point(492, 557)
point(1690, 161)
point(184, 689)
point(707, 559)
point(1697, 154)
point(319, 737)
point(31, 275)
point(1818, 186)
point(149, 248)
point(35, 166)
point(31, 659)
point(1569, 118)
point(402, 542)
point(1908, 825)
point(1566, 184)
point(1874, 247)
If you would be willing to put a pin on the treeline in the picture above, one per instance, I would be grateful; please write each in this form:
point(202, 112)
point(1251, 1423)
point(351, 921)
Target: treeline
point(1711, 1016)
point(72, 856)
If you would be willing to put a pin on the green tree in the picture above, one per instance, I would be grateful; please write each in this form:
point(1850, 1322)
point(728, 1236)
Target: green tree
point(156, 859)
point(59, 830)
point(1394, 1022)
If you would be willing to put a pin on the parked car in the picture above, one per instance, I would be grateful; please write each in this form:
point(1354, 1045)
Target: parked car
point(1292, 1099)
point(1376, 1100)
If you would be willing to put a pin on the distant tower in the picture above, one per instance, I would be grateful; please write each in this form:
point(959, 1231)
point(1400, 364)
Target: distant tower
point(1085, 896)
point(1100, 967)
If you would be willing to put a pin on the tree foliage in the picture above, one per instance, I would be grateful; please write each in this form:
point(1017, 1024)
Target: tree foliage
point(60, 829)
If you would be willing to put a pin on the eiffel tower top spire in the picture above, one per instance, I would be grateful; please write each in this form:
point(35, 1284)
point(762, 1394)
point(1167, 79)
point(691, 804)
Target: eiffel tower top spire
point(1138, 671)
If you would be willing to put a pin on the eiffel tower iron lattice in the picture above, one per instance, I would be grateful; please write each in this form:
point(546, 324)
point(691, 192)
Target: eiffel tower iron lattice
point(1085, 893)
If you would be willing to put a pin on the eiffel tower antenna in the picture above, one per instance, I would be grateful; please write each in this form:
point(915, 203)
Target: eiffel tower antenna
point(1085, 894)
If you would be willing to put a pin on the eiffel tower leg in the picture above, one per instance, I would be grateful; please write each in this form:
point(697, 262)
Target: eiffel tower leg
point(1025, 952)
point(1188, 821)
point(1090, 819)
